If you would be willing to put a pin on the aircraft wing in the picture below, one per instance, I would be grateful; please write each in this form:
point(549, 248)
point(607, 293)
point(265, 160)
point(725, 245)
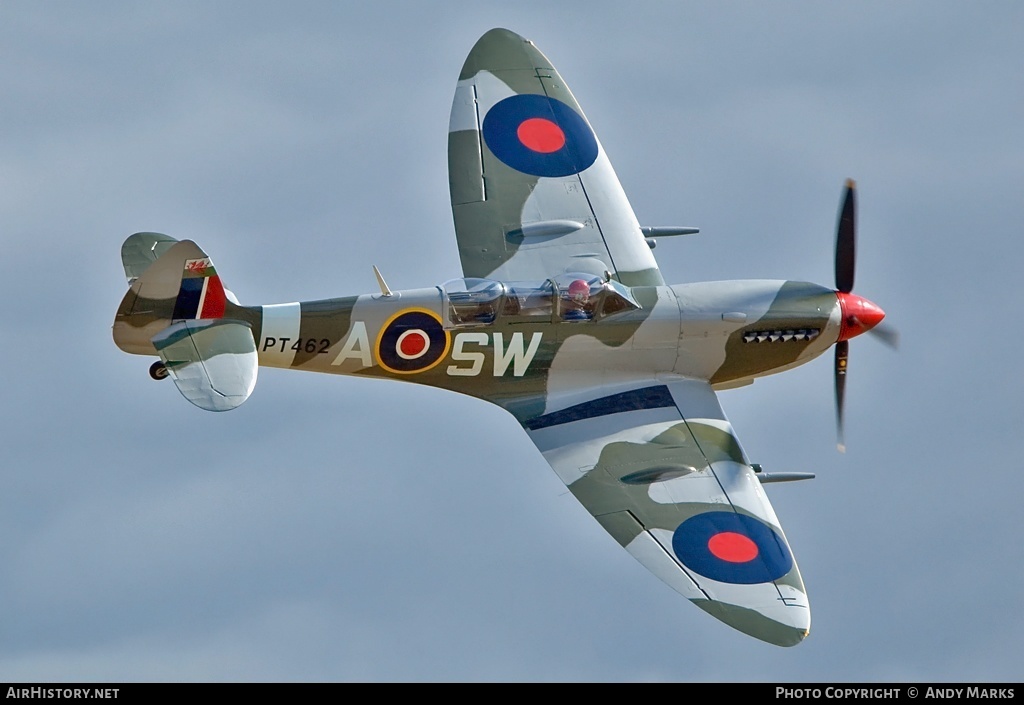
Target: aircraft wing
point(532, 191)
point(659, 467)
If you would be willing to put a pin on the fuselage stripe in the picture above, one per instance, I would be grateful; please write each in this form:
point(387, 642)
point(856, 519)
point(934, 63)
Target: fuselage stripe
point(280, 333)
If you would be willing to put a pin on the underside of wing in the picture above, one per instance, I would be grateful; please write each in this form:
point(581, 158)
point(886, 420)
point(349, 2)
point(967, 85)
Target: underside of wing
point(533, 193)
point(659, 467)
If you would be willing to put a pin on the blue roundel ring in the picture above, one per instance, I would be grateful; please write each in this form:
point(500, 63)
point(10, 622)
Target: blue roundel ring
point(504, 136)
point(732, 548)
point(413, 340)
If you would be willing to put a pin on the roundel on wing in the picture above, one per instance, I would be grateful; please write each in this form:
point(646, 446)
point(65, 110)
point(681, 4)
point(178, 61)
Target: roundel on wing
point(538, 135)
point(412, 341)
point(732, 548)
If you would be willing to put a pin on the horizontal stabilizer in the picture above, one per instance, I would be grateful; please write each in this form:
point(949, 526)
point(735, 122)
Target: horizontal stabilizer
point(212, 361)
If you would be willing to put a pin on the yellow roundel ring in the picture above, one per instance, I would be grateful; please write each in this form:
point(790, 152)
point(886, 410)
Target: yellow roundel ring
point(413, 340)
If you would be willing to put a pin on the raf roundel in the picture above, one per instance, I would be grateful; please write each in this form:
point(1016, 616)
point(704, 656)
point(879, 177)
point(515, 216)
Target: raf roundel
point(540, 136)
point(732, 548)
point(412, 341)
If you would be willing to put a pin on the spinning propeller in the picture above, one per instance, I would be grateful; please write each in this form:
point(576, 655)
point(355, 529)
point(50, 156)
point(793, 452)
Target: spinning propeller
point(858, 314)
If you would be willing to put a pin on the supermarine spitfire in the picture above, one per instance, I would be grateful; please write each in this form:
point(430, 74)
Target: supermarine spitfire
point(563, 319)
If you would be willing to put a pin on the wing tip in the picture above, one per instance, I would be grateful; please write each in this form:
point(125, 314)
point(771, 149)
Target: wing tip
point(502, 49)
point(760, 626)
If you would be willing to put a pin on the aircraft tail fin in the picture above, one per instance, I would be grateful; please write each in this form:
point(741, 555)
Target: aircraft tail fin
point(178, 309)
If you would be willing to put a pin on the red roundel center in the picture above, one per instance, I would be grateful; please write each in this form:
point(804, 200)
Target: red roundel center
point(732, 547)
point(541, 135)
point(412, 344)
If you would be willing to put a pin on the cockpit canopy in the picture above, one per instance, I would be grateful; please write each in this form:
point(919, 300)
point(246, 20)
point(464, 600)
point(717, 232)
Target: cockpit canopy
point(568, 297)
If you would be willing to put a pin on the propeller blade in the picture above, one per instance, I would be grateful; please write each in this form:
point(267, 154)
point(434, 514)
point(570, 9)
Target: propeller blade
point(846, 240)
point(887, 334)
point(842, 353)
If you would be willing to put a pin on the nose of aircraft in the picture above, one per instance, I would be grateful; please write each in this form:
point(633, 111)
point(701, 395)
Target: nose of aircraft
point(859, 315)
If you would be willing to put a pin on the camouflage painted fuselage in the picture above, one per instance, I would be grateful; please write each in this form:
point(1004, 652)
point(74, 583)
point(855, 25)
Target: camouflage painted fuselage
point(727, 333)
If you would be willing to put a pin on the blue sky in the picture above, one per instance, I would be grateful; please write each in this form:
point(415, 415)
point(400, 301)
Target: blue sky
point(344, 529)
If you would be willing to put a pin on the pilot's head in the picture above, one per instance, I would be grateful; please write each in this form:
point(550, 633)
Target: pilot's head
point(579, 291)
